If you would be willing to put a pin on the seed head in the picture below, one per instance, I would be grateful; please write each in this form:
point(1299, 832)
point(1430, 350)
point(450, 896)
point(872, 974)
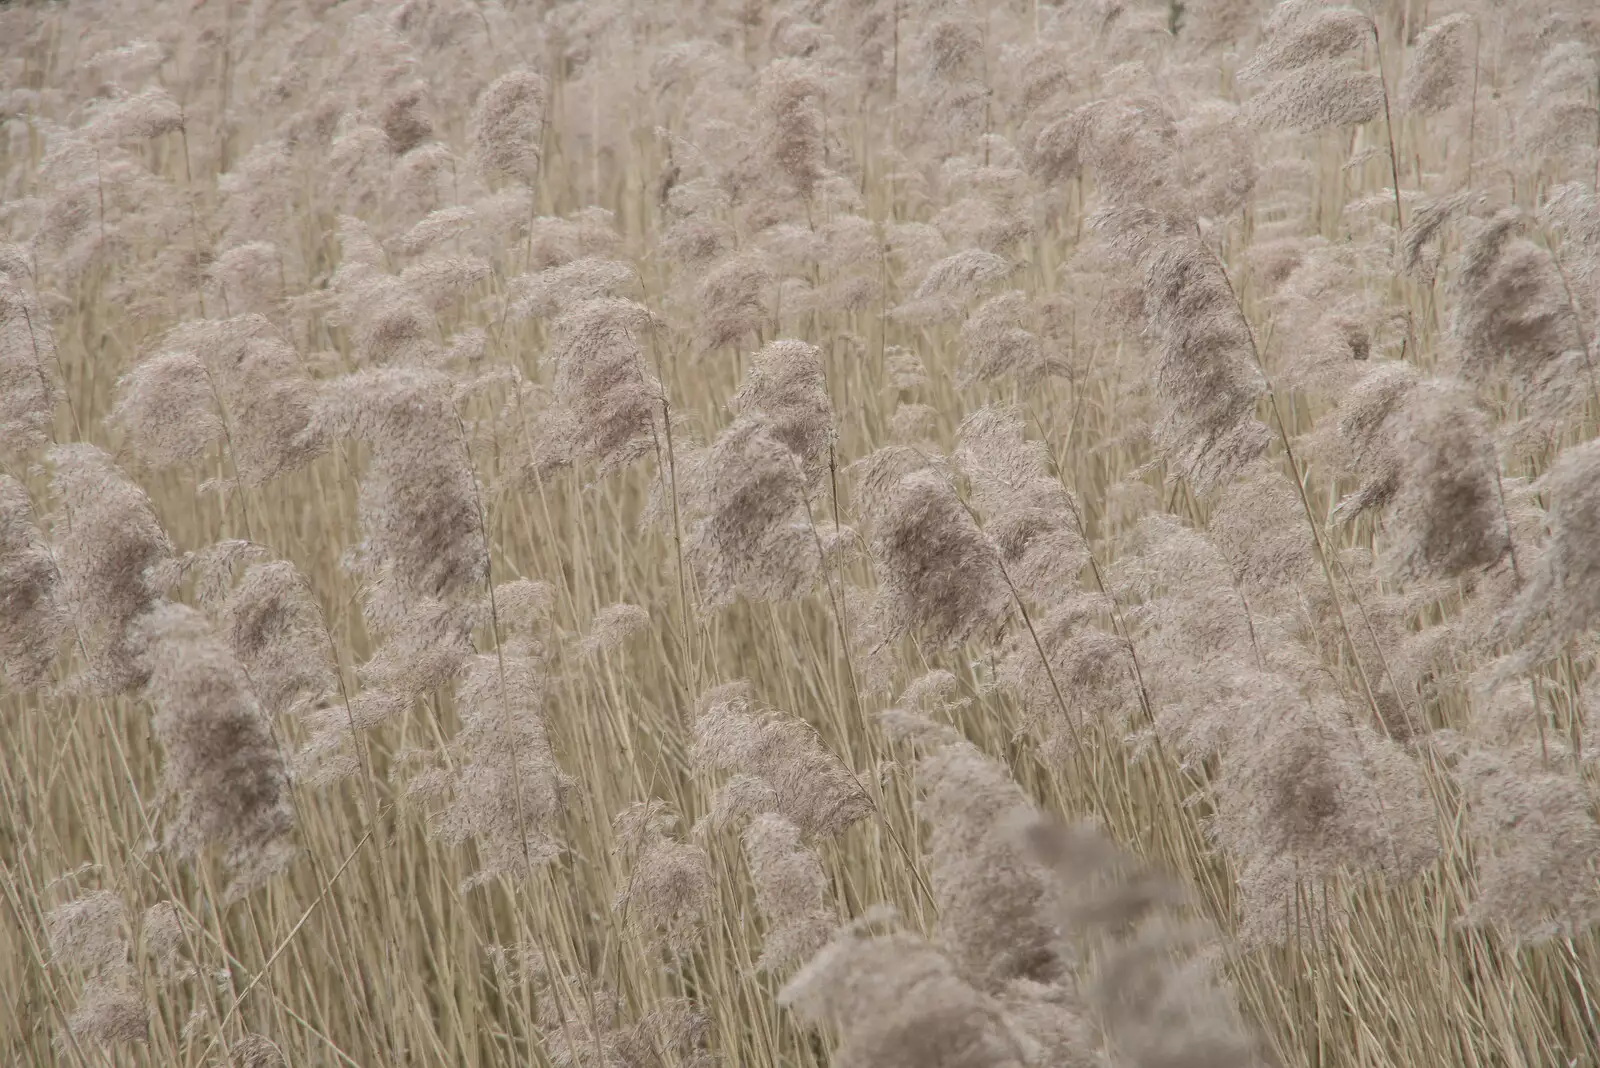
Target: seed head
point(809, 786)
point(223, 765)
point(941, 575)
point(508, 127)
point(791, 893)
point(114, 560)
point(33, 616)
point(1437, 65)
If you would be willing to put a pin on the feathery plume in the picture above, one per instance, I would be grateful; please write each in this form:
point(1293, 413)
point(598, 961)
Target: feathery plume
point(254, 193)
point(222, 762)
point(914, 424)
point(1562, 597)
point(1319, 95)
point(508, 792)
point(28, 390)
point(1154, 991)
point(256, 1051)
point(581, 1021)
point(142, 116)
point(897, 1002)
point(422, 557)
point(162, 937)
point(110, 1013)
point(589, 232)
point(441, 281)
point(389, 322)
point(275, 629)
point(613, 625)
point(988, 894)
point(424, 644)
point(524, 608)
point(165, 406)
point(946, 80)
point(669, 886)
point(804, 783)
point(753, 538)
point(404, 118)
point(508, 127)
point(248, 277)
point(904, 369)
point(233, 380)
point(134, 61)
point(418, 503)
point(1438, 63)
point(1102, 889)
point(1366, 438)
point(732, 299)
point(911, 244)
point(785, 384)
point(1307, 787)
point(1554, 122)
point(911, 720)
point(1572, 211)
point(33, 618)
point(950, 284)
point(1219, 151)
point(792, 122)
point(1207, 381)
point(1259, 526)
point(999, 345)
point(1028, 514)
point(1197, 626)
point(610, 408)
point(992, 207)
point(1512, 316)
point(88, 932)
point(1056, 154)
point(1447, 508)
point(211, 569)
point(941, 575)
point(1130, 142)
point(438, 227)
point(555, 289)
point(791, 893)
point(115, 561)
point(357, 166)
point(427, 178)
point(1045, 74)
point(1539, 845)
point(1425, 224)
point(1299, 33)
point(357, 245)
point(1310, 80)
point(1069, 675)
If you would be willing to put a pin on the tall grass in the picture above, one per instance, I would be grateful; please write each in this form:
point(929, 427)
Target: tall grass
point(860, 532)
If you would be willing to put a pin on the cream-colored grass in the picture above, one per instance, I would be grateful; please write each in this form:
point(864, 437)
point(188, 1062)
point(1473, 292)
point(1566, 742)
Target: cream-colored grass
point(367, 951)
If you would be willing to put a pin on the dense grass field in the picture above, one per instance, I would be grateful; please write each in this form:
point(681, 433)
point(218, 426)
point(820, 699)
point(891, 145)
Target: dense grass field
point(861, 532)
